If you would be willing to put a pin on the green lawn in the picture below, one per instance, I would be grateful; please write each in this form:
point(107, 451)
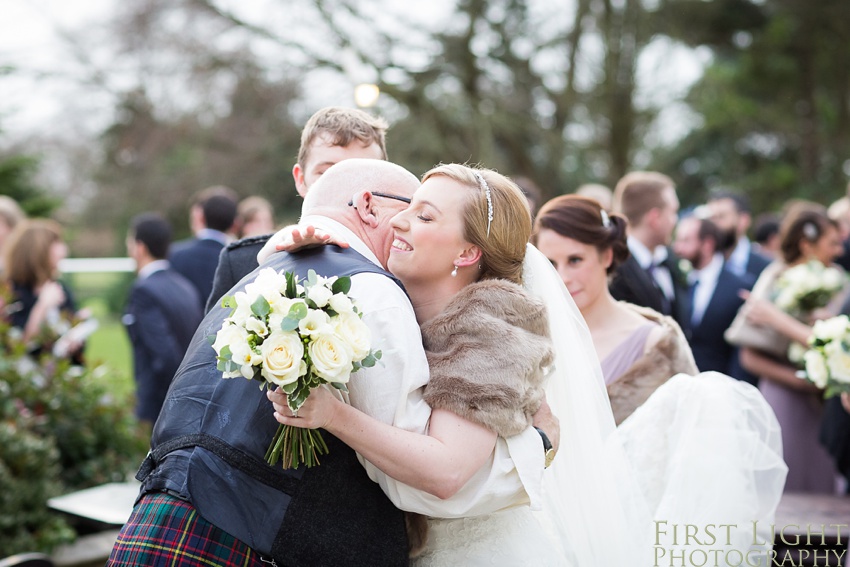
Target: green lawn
point(104, 294)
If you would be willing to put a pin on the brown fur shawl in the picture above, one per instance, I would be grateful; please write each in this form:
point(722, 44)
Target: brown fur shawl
point(487, 352)
point(671, 355)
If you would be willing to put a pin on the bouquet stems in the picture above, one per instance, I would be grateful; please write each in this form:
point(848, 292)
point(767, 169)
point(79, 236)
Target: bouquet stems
point(296, 446)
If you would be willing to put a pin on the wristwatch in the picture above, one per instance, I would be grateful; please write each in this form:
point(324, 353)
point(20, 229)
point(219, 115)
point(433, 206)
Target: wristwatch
point(548, 450)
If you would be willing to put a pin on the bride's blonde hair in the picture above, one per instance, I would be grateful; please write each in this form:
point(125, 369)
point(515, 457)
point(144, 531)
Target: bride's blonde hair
point(503, 246)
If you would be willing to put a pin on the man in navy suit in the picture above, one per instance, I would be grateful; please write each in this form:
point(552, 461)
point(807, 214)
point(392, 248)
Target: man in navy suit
point(211, 216)
point(730, 211)
point(715, 296)
point(162, 314)
point(651, 277)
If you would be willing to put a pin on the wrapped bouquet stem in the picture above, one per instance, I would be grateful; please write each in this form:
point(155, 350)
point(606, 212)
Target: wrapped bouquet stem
point(296, 335)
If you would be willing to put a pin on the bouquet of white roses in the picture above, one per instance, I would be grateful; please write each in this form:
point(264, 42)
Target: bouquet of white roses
point(297, 335)
point(828, 358)
point(807, 287)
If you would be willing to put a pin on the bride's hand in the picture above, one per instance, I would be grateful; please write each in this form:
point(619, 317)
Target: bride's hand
point(316, 412)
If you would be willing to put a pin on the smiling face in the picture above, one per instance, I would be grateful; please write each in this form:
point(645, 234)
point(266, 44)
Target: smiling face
point(826, 248)
point(582, 267)
point(429, 235)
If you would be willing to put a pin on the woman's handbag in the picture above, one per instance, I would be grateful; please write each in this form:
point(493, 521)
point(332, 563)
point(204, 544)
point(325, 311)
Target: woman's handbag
point(742, 333)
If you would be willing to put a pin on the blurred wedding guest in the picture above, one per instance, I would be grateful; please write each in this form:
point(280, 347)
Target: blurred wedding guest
point(32, 254)
point(254, 217)
point(211, 217)
point(806, 234)
point(603, 195)
point(161, 316)
point(331, 135)
point(10, 215)
point(639, 348)
point(731, 213)
point(715, 296)
point(766, 235)
point(839, 211)
point(532, 192)
point(651, 275)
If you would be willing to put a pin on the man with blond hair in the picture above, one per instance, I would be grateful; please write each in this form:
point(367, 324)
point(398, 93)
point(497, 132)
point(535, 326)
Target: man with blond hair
point(651, 277)
point(331, 135)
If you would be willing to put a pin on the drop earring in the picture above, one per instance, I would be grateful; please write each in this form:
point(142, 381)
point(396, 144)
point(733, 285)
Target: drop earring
point(454, 272)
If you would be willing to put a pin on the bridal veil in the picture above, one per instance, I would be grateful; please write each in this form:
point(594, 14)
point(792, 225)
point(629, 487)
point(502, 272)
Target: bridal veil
point(701, 450)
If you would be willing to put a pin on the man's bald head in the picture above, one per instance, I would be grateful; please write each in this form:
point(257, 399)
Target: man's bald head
point(363, 195)
point(340, 184)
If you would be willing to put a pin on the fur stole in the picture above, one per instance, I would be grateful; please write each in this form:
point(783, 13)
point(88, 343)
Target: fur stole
point(487, 352)
point(671, 355)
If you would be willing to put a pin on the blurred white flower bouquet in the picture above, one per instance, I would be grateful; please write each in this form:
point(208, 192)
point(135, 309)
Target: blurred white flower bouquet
point(806, 287)
point(297, 337)
point(828, 359)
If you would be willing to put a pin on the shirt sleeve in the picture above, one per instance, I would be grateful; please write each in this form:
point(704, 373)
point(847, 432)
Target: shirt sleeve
point(392, 392)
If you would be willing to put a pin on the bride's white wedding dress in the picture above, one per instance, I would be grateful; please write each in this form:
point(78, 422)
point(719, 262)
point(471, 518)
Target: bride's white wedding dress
point(701, 450)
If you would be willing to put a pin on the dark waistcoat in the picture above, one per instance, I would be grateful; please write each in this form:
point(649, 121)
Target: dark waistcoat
point(209, 443)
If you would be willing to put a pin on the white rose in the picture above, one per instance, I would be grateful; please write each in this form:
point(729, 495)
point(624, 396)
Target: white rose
point(331, 358)
point(832, 279)
point(796, 352)
point(282, 353)
point(341, 303)
point(319, 295)
point(315, 323)
point(832, 329)
point(837, 361)
point(243, 308)
point(356, 334)
point(816, 368)
point(254, 325)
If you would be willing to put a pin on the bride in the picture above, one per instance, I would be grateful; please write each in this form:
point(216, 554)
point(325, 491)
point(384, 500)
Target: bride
point(460, 250)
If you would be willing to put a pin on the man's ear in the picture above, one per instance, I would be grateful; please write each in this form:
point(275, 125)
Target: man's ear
point(469, 257)
point(363, 203)
point(298, 176)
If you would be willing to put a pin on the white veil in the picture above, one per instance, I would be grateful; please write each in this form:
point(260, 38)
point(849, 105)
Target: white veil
point(703, 449)
point(592, 504)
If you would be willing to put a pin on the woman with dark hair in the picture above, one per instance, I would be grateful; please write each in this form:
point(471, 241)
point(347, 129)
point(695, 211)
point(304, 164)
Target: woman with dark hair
point(806, 234)
point(639, 348)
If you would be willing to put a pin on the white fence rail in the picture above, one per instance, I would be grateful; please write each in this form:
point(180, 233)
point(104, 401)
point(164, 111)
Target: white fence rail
point(92, 265)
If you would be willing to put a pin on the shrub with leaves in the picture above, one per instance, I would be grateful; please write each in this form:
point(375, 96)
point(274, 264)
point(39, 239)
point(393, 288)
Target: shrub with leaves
point(60, 431)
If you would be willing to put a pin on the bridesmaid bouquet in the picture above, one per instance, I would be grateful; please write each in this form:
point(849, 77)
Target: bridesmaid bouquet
point(806, 287)
point(296, 335)
point(827, 361)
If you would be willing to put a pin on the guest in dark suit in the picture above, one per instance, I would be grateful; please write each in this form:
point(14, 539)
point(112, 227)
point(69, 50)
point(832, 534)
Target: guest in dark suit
point(651, 277)
point(715, 296)
point(162, 314)
point(211, 217)
point(332, 134)
point(730, 211)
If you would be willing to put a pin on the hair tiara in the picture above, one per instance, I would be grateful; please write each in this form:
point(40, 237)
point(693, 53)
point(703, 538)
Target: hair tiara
point(810, 231)
point(606, 220)
point(483, 184)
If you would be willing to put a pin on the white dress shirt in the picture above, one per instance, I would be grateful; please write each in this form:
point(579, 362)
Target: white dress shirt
point(392, 393)
point(740, 256)
point(705, 281)
point(153, 267)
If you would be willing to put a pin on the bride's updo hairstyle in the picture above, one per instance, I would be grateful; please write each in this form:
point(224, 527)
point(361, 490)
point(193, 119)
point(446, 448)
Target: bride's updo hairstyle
point(805, 221)
point(503, 249)
point(583, 219)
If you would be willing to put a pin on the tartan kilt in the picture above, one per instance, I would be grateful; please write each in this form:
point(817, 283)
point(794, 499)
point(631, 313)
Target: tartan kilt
point(164, 530)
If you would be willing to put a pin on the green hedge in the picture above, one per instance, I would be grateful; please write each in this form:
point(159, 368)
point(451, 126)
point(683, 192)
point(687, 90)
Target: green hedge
point(61, 429)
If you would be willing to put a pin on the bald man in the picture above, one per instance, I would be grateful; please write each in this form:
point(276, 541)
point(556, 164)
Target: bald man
point(207, 451)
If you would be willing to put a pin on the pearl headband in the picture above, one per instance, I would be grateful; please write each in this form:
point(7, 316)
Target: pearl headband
point(486, 188)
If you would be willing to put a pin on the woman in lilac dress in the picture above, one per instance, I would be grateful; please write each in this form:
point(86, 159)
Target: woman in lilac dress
point(639, 348)
point(805, 234)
